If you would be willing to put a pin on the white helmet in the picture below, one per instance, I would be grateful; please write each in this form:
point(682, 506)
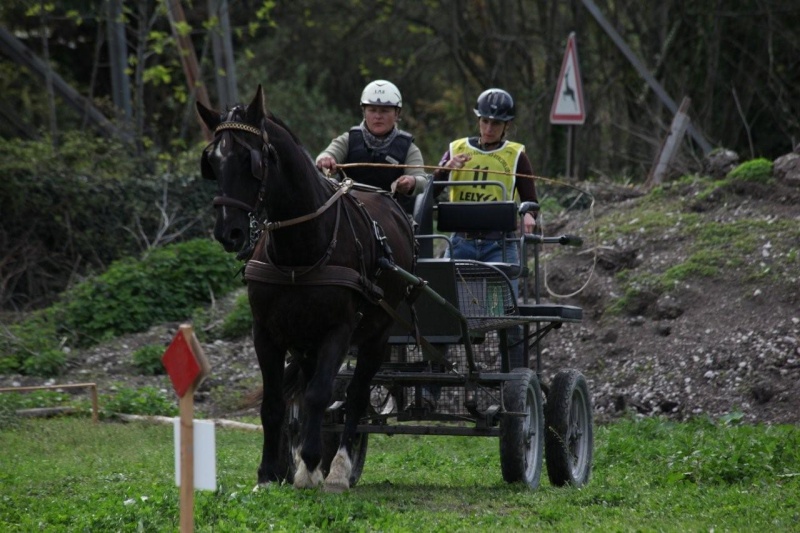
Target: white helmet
point(383, 93)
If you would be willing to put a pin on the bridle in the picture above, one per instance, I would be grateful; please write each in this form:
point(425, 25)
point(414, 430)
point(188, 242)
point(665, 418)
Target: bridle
point(258, 158)
point(258, 169)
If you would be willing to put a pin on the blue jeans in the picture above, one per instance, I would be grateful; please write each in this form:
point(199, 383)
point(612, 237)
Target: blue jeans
point(486, 251)
point(491, 251)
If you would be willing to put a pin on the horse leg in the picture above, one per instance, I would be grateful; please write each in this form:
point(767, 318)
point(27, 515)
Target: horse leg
point(273, 406)
point(370, 358)
point(318, 395)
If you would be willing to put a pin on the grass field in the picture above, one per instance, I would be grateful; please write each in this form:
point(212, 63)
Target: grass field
point(649, 475)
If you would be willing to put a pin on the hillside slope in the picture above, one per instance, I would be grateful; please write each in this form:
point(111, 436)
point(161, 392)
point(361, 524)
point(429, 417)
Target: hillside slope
point(691, 303)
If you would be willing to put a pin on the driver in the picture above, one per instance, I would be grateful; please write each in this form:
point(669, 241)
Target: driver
point(378, 140)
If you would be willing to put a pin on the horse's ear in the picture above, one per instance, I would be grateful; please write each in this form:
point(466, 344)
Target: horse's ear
point(255, 111)
point(209, 117)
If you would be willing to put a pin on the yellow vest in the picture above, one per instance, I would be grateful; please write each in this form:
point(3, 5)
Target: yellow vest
point(503, 159)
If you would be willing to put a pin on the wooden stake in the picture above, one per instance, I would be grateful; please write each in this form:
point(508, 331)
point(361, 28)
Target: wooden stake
point(187, 461)
point(187, 367)
point(669, 145)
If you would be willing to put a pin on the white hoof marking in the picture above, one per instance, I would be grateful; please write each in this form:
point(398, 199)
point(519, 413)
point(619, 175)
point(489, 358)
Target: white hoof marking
point(303, 479)
point(338, 479)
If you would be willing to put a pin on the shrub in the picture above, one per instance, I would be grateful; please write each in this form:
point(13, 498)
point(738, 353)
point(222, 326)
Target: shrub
point(148, 359)
point(12, 401)
point(32, 339)
point(756, 170)
point(48, 363)
point(133, 295)
point(168, 285)
point(142, 401)
point(77, 208)
point(239, 322)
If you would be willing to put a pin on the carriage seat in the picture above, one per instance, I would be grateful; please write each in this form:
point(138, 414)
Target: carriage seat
point(487, 219)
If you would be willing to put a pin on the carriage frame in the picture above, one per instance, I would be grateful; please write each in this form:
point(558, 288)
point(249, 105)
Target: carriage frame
point(464, 312)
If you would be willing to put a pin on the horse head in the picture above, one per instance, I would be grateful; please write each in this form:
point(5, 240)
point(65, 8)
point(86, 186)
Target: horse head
point(237, 159)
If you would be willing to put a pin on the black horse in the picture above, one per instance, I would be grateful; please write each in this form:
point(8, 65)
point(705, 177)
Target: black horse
point(319, 279)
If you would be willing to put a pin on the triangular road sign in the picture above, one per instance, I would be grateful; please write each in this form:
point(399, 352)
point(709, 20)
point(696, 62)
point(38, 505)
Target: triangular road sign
point(568, 105)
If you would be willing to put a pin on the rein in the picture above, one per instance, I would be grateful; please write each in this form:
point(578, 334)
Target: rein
point(343, 189)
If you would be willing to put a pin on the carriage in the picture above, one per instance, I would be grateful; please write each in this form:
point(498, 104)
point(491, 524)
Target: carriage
point(454, 374)
point(381, 339)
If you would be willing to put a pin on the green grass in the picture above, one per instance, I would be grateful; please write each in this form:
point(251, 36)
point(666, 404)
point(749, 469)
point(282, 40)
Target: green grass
point(649, 475)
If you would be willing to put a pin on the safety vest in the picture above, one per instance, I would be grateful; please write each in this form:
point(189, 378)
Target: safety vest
point(381, 177)
point(502, 159)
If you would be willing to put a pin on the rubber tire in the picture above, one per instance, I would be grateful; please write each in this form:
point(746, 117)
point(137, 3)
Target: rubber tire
point(290, 438)
point(569, 438)
point(522, 438)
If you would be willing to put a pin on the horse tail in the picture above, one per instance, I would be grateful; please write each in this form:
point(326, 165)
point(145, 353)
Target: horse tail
point(252, 399)
point(293, 381)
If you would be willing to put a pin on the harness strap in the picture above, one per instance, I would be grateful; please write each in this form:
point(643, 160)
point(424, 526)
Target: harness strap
point(292, 221)
point(328, 275)
point(231, 202)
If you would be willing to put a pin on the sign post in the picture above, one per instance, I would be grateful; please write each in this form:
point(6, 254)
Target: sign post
point(568, 106)
point(187, 367)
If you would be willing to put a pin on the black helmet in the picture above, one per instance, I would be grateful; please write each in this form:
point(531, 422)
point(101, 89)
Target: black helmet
point(495, 104)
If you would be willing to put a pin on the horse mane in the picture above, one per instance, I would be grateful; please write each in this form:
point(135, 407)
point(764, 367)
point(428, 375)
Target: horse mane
point(277, 120)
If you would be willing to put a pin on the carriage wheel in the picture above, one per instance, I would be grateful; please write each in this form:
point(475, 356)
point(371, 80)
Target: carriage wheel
point(522, 429)
point(290, 439)
point(569, 437)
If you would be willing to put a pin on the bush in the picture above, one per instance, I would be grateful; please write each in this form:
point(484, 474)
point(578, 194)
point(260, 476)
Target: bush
point(48, 363)
point(33, 339)
point(12, 401)
point(239, 322)
point(167, 285)
point(147, 401)
point(756, 170)
point(148, 359)
point(77, 208)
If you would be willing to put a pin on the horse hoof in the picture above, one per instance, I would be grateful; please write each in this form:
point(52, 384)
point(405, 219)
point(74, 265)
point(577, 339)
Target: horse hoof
point(338, 479)
point(303, 479)
point(335, 488)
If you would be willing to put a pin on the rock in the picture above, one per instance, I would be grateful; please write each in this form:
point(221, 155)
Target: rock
point(663, 329)
point(609, 337)
point(786, 169)
point(762, 392)
point(667, 307)
point(719, 162)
